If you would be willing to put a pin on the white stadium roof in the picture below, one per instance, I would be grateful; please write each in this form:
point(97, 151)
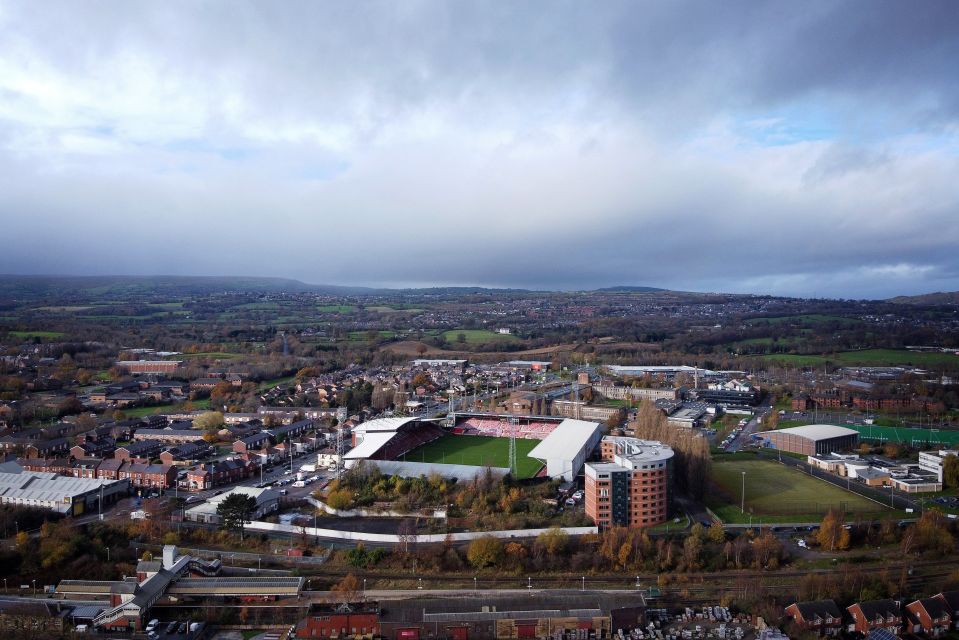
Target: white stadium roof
point(390, 425)
point(817, 431)
point(372, 442)
point(569, 436)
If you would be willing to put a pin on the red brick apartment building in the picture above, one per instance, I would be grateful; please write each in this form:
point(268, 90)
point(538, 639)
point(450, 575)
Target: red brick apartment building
point(632, 486)
point(137, 367)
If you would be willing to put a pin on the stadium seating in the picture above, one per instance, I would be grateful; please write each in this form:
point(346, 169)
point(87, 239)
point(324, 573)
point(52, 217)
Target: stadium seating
point(533, 430)
point(409, 437)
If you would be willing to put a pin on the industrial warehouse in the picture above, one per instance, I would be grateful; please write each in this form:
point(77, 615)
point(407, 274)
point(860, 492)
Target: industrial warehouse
point(63, 494)
point(811, 440)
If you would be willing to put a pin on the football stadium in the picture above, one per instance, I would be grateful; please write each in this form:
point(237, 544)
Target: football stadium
point(470, 443)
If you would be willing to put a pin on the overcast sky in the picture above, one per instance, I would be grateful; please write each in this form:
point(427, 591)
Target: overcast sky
point(792, 148)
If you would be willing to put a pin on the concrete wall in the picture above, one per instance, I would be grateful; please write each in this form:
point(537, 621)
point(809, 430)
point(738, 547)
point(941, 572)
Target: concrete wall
point(390, 538)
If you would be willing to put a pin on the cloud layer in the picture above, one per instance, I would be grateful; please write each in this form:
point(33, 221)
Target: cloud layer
point(735, 146)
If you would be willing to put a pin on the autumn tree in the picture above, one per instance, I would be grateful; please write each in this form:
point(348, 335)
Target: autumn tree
point(554, 540)
point(347, 589)
point(485, 552)
point(832, 534)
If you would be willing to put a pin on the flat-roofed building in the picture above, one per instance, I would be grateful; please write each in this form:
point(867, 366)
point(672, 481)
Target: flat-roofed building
point(632, 486)
point(812, 439)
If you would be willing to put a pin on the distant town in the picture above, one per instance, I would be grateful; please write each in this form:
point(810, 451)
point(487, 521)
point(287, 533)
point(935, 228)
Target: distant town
point(187, 460)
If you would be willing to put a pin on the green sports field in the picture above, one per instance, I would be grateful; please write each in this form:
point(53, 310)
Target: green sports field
point(478, 451)
point(907, 435)
point(775, 492)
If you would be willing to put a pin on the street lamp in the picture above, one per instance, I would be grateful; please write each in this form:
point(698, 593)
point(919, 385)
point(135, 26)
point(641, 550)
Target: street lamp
point(108, 553)
point(584, 583)
point(474, 583)
point(364, 588)
point(34, 587)
point(529, 585)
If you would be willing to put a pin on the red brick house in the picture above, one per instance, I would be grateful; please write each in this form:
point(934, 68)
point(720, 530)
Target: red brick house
point(110, 469)
point(822, 616)
point(951, 598)
point(47, 448)
point(876, 614)
point(355, 620)
point(47, 465)
point(930, 616)
point(140, 451)
point(152, 476)
point(207, 476)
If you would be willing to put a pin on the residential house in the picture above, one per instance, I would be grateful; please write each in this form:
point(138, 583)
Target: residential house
point(930, 616)
point(47, 448)
point(876, 614)
point(141, 451)
point(152, 476)
point(821, 616)
point(186, 453)
point(217, 474)
point(251, 442)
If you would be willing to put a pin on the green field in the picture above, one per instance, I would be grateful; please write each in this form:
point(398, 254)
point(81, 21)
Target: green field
point(477, 336)
point(395, 309)
point(777, 493)
point(335, 308)
point(478, 451)
point(808, 318)
point(870, 357)
point(36, 334)
point(907, 435)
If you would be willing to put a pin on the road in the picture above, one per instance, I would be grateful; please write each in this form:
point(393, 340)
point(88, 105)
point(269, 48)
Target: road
point(751, 427)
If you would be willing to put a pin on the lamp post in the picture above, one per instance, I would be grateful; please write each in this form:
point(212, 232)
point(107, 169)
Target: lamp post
point(474, 583)
point(364, 588)
point(742, 504)
point(108, 553)
point(584, 583)
point(529, 585)
point(34, 587)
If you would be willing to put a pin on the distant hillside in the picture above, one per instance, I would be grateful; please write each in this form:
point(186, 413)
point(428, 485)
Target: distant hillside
point(29, 287)
point(630, 289)
point(940, 297)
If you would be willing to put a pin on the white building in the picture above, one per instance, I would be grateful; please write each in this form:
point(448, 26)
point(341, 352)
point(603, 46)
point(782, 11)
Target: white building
point(566, 448)
point(933, 462)
point(267, 501)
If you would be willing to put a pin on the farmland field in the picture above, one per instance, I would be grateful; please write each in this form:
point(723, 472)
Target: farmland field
point(36, 334)
point(478, 451)
point(871, 357)
point(478, 336)
point(775, 492)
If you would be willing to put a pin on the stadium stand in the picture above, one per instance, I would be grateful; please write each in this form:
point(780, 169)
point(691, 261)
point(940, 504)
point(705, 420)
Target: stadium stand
point(407, 438)
point(529, 429)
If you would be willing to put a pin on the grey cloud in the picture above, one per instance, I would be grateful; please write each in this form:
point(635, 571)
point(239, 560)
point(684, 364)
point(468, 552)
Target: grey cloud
point(560, 145)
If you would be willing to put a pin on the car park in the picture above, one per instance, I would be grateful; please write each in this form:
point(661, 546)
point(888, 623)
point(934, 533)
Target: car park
point(170, 628)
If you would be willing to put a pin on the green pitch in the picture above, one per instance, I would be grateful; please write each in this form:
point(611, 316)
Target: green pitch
point(908, 435)
point(779, 493)
point(478, 451)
